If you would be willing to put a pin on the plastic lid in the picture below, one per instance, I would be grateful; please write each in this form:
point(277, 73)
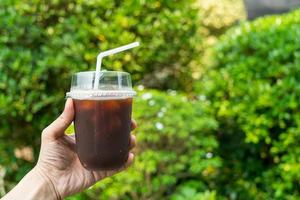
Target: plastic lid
point(112, 85)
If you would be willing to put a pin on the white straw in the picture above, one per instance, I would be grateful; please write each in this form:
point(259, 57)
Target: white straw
point(108, 53)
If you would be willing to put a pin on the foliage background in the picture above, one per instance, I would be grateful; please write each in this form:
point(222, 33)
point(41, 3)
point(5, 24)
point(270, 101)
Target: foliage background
point(218, 110)
point(254, 88)
point(43, 43)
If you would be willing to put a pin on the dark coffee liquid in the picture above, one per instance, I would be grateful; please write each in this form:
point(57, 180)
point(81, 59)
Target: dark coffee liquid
point(102, 129)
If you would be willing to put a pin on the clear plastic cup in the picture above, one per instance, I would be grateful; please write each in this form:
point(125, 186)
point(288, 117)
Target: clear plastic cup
point(102, 118)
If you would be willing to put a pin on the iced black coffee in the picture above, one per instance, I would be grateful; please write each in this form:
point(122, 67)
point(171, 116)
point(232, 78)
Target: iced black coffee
point(102, 118)
point(102, 132)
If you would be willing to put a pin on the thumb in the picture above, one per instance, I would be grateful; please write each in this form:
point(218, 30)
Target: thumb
point(57, 128)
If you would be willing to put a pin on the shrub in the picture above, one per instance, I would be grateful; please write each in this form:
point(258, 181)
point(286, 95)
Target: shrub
point(254, 87)
point(43, 42)
point(175, 154)
point(216, 18)
point(219, 15)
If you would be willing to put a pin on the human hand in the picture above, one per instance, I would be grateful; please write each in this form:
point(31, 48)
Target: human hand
point(58, 162)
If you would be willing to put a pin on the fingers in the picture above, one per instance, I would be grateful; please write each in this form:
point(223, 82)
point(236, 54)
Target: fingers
point(133, 124)
point(129, 160)
point(57, 128)
point(132, 143)
point(98, 175)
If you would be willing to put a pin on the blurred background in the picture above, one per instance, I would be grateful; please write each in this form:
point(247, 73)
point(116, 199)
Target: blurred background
point(218, 86)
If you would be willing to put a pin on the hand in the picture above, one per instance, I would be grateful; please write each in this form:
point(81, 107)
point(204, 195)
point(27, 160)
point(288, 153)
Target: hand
point(58, 162)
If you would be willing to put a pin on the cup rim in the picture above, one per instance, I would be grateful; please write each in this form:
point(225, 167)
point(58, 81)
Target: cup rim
point(103, 71)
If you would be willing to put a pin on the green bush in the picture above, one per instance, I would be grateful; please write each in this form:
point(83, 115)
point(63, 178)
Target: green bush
point(43, 42)
point(254, 87)
point(219, 15)
point(175, 154)
point(216, 17)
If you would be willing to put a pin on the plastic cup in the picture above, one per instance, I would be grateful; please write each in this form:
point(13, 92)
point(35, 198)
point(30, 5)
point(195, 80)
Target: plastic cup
point(102, 118)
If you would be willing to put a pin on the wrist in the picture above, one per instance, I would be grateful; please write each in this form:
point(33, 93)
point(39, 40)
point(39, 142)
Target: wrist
point(47, 186)
point(33, 186)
